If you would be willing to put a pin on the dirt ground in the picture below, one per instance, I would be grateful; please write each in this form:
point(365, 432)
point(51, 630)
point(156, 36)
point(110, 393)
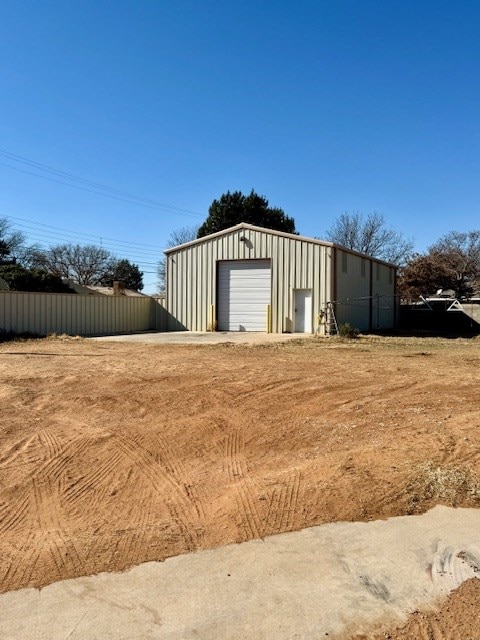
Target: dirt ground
point(112, 454)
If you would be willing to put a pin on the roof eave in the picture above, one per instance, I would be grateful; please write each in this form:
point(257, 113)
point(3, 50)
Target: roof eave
point(283, 234)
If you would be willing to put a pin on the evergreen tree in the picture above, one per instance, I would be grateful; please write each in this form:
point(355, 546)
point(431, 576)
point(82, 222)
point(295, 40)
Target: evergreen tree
point(233, 208)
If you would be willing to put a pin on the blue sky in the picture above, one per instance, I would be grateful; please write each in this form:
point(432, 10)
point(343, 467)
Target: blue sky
point(321, 106)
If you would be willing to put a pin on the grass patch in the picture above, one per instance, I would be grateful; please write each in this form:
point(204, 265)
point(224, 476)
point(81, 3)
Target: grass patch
point(346, 330)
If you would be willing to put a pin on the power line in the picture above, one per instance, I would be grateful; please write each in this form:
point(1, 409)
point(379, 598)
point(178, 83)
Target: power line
point(41, 224)
point(144, 266)
point(133, 251)
point(58, 172)
point(44, 240)
point(147, 262)
point(90, 185)
point(106, 195)
point(60, 232)
point(145, 256)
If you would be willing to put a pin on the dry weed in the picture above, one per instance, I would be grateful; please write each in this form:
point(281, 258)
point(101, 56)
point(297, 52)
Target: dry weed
point(448, 485)
point(62, 336)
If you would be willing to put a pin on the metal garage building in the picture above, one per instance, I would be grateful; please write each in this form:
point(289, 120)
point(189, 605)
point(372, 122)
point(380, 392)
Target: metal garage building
point(248, 278)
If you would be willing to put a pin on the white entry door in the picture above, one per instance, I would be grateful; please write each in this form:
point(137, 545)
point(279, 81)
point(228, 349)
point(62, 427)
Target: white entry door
point(303, 310)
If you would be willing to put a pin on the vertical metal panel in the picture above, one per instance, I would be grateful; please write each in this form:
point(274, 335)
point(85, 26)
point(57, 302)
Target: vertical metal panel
point(383, 297)
point(358, 292)
point(278, 298)
point(44, 313)
point(159, 316)
point(352, 290)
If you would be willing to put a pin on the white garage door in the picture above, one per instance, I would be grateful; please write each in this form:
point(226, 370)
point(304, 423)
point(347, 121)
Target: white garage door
point(243, 294)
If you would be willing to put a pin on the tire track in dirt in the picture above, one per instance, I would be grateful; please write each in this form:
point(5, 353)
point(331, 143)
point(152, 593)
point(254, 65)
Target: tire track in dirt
point(42, 495)
point(281, 387)
point(149, 467)
point(283, 505)
point(288, 508)
point(21, 565)
point(16, 450)
point(180, 507)
point(39, 509)
point(180, 473)
point(60, 545)
point(47, 507)
point(50, 443)
point(130, 542)
point(54, 450)
point(4, 508)
point(237, 471)
point(213, 427)
point(55, 466)
point(14, 515)
point(77, 491)
point(273, 511)
point(177, 469)
point(183, 524)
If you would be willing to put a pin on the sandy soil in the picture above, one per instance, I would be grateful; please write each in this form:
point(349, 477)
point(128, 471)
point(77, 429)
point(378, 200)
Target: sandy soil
point(112, 454)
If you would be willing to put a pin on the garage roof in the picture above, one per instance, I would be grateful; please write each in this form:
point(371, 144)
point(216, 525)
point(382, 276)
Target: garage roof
point(292, 236)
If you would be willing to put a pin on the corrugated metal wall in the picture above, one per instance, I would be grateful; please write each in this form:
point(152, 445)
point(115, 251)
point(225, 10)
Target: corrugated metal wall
point(364, 292)
point(296, 264)
point(44, 313)
point(383, 302)
point(352, 290)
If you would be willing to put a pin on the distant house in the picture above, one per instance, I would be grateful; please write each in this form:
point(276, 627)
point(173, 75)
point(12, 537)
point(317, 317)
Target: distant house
point(443, 312)
point(117, 290)
point(249, 278)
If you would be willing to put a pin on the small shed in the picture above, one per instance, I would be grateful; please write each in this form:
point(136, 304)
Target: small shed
point(249, 278)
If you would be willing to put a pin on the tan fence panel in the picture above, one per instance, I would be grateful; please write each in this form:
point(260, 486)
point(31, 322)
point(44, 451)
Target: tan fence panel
point(44, 313)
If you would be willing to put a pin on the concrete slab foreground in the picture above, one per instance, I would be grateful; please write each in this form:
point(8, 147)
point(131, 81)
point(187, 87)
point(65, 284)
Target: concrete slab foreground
point(304, 585)
point(215, 337)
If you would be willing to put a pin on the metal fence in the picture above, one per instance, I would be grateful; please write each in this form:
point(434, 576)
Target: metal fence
point(83, 315)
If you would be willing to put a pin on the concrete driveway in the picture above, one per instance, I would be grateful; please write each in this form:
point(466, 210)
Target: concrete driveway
point(307, 585)
point(217, 337)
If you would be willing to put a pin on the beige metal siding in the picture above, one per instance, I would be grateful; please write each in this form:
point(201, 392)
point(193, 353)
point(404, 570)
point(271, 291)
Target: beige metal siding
point(44, 313)
point(364, 296)
point(296, 264)
point(383, 299)
point(352, 289)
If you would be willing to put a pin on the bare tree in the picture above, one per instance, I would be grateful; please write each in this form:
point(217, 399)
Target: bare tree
point(463, 252)
point(84, 265)
point(177, 237)
point(371, 236)
point(12, 243)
